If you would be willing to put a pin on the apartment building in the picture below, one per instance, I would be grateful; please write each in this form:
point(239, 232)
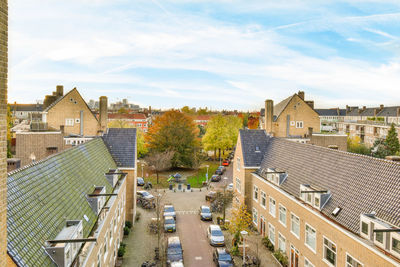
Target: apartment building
point(369, 124)
point(329, 118)
point(291, 117)
point(26, 111)
point(137, 120)
point(70, 208)
point(319, 206)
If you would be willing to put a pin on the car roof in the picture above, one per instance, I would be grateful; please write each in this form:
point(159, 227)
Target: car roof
point(173, 240)
point(204, 206)
point(168, 217)
point(215, 227)
point(141, 191)
point(167, 206)
point(222, 251)
point(140, 178)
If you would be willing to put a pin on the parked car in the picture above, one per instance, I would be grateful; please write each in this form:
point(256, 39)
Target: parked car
point(222, 168)
point(229, 187)
point(219, 172)
point(140, 181)
point(174, 251)
point(225, 163)
point(205, 213)
point(222, 258)
point(169, 224)
point(145, 200)
point(177, 264)
point(211, 196)
point(215, 178)
point(144, 195)
point(215, 235)
point(169, 210)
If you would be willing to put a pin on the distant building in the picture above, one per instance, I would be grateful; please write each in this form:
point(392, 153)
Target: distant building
point(137, 120)
point(329, 118)
point(124, 104)
point(26, 111)
point(202, 120)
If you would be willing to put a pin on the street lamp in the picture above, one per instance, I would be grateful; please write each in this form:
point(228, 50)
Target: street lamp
point(207, 173)
point(225, 179)
point(244, 233)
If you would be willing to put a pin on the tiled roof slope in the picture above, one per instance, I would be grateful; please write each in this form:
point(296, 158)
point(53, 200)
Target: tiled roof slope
point(250, 139)
point(122, 145)
point(328, 112)
point(353, 112)
point(43, 196)
point(280, 107)
point(359, 184)
point(388, 112)
point(26, 107)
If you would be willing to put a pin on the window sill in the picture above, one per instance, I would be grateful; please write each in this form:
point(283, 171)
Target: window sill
point(328, 263)
point(297, 236)
point(310, 248)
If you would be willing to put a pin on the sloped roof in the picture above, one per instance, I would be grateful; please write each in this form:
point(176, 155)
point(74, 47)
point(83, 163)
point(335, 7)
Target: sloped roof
point(328, 112)
point(353, 112)
point(41, 197)
point(368, 112)
point(26, 107)
point(134, 116)
point(251, 139)
point(359, 184)
point(388, 112)
point(121, 143)
point(280, 107)
point(262, 112)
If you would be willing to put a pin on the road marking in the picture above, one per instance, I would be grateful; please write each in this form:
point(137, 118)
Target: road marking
point(198, 258)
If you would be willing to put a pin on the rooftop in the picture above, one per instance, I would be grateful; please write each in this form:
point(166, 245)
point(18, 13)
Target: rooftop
point(121, 143)
point(251, 140)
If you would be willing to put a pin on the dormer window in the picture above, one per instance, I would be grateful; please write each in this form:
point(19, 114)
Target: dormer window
point(112, 176)
point(274, 176)
point(314, 197)
point(96, 200)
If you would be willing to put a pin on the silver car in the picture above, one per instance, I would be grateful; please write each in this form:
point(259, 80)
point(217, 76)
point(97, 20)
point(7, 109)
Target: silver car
point(215, 236)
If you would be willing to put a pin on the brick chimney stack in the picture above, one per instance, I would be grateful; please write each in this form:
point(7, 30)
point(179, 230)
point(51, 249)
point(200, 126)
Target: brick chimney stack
point(269, 114)
point(103, 113)
point(381, 107)
point(398, 112)
point(301, 94)
point(60, 90)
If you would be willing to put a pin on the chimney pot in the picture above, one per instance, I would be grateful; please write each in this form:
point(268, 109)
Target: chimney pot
point(364, 107)
point(301, 94)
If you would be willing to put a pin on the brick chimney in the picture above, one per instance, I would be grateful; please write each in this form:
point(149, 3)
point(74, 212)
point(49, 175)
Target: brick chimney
point(60, 90)
point(269, 114)
point(375, 112)
point(103, 113)
point(381, 107)
point(301, 94)
point(310, 103)
point(398, 112)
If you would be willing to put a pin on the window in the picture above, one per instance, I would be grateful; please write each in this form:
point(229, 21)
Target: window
point(272, 208)
point(329, 252)
point(238, 184)
point(311, 237)
point(263, 199)
point(299, 124)
point(396, 245)
point(364, 228)
point(69, 122)
point(282, 215)
point(255, 193)
point(317, 201)
point(238, 163)
point(271, 235)
point(255, 216)
point(295, 225)
point(379, 237)
point(307, 263)
point(99, 259)
point(281, 243)
point(351, 262)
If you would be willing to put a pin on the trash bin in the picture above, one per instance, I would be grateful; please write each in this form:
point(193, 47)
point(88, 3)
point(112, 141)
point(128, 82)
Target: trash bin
point(170, 186)
point(188, 186)
point(179, 186)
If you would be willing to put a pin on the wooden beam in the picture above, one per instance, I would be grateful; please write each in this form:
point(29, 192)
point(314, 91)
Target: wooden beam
point(78, 240)
point(315, 191)
point(101, 195)
point(386, 230)
point(117, 173)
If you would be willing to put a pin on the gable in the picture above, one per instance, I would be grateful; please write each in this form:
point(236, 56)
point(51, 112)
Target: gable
point(300, 104)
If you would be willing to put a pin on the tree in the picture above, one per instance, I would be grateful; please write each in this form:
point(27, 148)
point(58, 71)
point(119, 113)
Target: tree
point(188, 110)
point(379, 149)
point(234, 124)
point(240, 219)
point(355, 145)
point(253, 122)
point(160, 161)
point(174, 131)
point(122, 111)
point(392, 141)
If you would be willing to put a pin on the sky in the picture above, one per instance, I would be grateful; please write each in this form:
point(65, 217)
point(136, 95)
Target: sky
point(221, 54)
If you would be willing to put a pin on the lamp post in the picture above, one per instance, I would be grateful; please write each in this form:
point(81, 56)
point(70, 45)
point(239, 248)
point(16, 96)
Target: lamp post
point(207, 173)
point(244, 233)
point(224, 198)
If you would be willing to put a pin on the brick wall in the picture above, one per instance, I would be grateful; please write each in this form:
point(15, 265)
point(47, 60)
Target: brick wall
point(3, 129)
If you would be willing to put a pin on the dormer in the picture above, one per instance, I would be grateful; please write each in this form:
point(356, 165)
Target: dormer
point(112, 176)
point(63, 254)
point(275, 176)
point(314, 196)
point(96, 200)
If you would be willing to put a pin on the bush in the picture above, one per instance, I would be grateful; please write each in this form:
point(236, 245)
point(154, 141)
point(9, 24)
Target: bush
point(267, 243)
point(138, 214)
point(126, 230)
point(281, 257)
point(235, 250)
point(121, 250)
point(129, 224)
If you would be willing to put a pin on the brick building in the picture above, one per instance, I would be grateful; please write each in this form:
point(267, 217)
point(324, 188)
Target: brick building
point(319, 206)
point(136, 120)
point(291, 117)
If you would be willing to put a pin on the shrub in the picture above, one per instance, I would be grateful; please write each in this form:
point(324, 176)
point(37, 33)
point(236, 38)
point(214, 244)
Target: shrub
point(126, 230)
point(235, 250)
point(121, 250)
point(281, 257)
point(129, 224)
point(267, 243)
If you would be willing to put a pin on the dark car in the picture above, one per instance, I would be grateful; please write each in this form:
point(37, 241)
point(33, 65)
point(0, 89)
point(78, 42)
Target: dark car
point(219, 172)
point(222, 258)
point(211, 196)
point(174, 250)
point(216, 178)
point(140, 181)
point(205, 213)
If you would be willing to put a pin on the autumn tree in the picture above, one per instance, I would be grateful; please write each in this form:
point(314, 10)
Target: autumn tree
point(355, 145)
point(188, 110)
point(174, 131)
point(160, 161)
point(253, 122)
point(240, 219)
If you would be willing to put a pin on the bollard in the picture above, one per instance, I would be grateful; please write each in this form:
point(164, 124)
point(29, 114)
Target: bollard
point(170, 186)
point(188, 186)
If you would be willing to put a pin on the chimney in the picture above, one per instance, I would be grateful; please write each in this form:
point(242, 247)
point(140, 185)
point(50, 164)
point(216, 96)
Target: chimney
point(301, 94)
point(364, 108)
point(60, 90)
point(310, 132)
point(310, 103)
point(398, 112)
point(375, 112)
point(103, 113)
point(150, 110)
point(269, 114)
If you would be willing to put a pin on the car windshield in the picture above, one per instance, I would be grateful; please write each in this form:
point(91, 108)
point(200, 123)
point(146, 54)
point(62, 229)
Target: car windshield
point(224, 257)
point(169, 221)
point(216, 233)
point(205, 210)
point(145, 194)
point(169, 209)
point(174, 249)
point(140, 179)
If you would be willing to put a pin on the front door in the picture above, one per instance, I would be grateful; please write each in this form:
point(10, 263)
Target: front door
point(294, 257)
point(262, 226)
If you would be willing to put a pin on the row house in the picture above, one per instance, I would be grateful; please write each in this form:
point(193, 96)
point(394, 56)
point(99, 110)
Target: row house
point(26, 111)
point(329, 118)
point(70, 208)
point(320, 206)
point(370, 124)
point(202, 120)
point(136, 120)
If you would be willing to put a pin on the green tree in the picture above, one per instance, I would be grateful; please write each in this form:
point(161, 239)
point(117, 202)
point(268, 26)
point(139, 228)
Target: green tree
point(188, 110)
point(234, 124)
point(217, 135)
point(355, 145)
point(174, 131)
point(392, 141)
point(379, 149)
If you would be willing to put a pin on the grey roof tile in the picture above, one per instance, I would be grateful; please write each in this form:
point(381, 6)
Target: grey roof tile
point(122, 145)
point(359, 184)
point(250, 140)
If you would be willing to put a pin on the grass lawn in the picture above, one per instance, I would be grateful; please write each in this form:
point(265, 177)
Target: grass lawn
point(197, 180)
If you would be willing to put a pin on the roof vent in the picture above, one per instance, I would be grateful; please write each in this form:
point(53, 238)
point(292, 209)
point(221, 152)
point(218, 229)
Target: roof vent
point(336, 211)
point(258, 149)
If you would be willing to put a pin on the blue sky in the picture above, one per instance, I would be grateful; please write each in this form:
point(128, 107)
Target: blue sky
point(223, 54)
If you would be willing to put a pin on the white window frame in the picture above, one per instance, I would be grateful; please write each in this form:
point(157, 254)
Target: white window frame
point(238, 163)
point(279, 214)
point(323, 252)
point(263, 197)
point(305, 238)
point(255, 215)
point(255, 193)
point(394, 236)
point(69, 122)
point(307, 263)
point(281, 238)
point(349, 265)
point(291, 222)
point(238, 182)
point(367, 236)
point(269, 207)
point(299, 124)
point(271, 227)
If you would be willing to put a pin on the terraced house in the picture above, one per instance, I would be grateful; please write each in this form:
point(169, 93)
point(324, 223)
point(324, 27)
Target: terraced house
point(319, 206)
point(70, 209)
